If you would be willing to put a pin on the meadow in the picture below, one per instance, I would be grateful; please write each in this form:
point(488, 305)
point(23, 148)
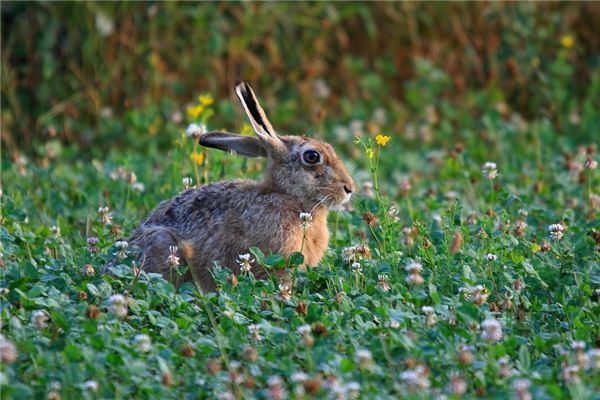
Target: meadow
point(467, 265)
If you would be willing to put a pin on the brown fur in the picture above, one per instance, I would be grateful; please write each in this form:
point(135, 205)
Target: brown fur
point(218, 222)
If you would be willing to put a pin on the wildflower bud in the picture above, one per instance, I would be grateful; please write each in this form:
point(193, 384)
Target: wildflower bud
point(405, 187)
point(250, 354)
point(456, 243)
point(301, 308)
point(167, 378)
point(546, 246)
point(92, 312)
point(232, 280)
point(8, 351)
point(370, 218)
point(518, 284)
point(319, 329)
point(504, 371)
point(88, 270)
point(458, 386)
point(82, 295)
point(426, 243)
point(591, 164)
point(92, 241)
point(465, 355)
point(187, 350)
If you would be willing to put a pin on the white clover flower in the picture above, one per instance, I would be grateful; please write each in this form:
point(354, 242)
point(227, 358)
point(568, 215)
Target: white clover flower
point(570, 374)
point(39, 319)
point(383, 282)
point(55, 230)
point(491, 257)
point(355, 253)
point(352, 389)
point(143, 342)
point(245, 262)
point(415, 378)
point(254, 332)
point(521, 388)
point(104, 24)
point(430, 316)
point(590, 163)
point(105, 215)
point(195, 130)
point(299, 376)
point(414, 266)
point(556, 231)
point(138, 186)
point(578, 345)
point(490, 170)
point(118, 305)
point(356, 268)
point(306, 218)
point(363, 357)
point(187, 182)
point(8, 351)
point(492, 330)
point(594, 358)
point(121, 246)
point(91, 386)
point(304, 329)
point(172, 259)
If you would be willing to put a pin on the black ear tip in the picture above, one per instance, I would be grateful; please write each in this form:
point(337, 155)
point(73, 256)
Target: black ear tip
point(239, 82)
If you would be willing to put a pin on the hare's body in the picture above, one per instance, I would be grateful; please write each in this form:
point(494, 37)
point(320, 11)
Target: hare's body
point(220, 221)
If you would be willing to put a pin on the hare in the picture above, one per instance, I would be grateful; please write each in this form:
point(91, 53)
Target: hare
point(218, 222)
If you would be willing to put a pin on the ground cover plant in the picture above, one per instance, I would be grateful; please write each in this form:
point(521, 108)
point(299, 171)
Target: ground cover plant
point(466, 266)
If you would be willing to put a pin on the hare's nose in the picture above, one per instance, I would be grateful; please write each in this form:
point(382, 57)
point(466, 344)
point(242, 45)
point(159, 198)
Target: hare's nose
point(347, 189)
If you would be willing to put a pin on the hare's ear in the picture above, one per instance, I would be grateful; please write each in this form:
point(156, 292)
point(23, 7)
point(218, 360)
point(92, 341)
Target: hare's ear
point(259, 120)
point(243, 145)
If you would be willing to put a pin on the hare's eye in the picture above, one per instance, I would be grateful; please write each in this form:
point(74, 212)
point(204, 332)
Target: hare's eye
point(311, 157)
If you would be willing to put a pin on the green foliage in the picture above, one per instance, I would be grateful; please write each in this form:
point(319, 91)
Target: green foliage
point(433, 247)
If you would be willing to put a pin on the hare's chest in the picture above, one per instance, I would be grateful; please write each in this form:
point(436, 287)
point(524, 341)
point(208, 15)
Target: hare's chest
point(311, 238)
point(315, 243)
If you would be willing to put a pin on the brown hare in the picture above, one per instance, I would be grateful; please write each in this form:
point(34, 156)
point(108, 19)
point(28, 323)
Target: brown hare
point(219, 222)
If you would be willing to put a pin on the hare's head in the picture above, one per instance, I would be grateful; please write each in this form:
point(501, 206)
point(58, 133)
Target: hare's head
point(303, 167)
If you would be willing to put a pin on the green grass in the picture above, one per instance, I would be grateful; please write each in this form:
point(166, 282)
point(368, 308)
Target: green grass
point(347, 331)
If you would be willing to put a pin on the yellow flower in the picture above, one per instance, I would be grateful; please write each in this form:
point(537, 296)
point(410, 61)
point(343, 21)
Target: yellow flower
point(382, 140)
point(195, 111)
point(370, 153)
point(205, 100)
point(247, 129)
point(567, 41)
point(197, 158)
point(535, 247)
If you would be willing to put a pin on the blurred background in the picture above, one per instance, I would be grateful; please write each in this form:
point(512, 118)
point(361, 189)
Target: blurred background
point(88, 79)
